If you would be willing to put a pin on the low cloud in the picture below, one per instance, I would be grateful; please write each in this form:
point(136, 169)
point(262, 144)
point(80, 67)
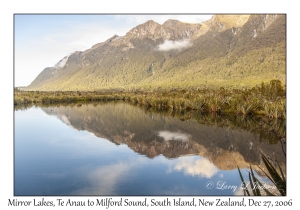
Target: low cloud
point(65, 119)
point(167, 135)
point(62, 62)
point(171, 45)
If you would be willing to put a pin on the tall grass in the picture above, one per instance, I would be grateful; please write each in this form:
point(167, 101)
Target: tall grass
point(267, 99)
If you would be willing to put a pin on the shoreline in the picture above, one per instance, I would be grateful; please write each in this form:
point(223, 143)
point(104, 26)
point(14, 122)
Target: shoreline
point(268, 100)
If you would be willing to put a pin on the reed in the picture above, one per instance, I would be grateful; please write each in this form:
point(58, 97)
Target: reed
point(267, 99)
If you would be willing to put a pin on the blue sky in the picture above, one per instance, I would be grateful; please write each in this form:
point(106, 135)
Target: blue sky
point(42, 40)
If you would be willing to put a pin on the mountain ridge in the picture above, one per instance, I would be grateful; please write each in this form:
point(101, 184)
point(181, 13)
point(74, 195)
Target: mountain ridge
point(230, 51)
point(150, 135)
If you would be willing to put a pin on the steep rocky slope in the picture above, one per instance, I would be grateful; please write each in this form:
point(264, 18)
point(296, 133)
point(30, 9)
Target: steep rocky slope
point(227, 50)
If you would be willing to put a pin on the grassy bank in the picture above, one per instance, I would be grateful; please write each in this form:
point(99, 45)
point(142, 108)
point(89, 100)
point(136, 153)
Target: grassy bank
point(266, 99)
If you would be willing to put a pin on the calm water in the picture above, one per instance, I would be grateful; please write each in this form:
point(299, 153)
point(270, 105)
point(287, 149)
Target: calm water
point(120, 149)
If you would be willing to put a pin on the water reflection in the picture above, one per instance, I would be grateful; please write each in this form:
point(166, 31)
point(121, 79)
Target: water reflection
point(103, 180)
point(119, 149)
point(168, 136)
point(196, 167)
point(152, 134)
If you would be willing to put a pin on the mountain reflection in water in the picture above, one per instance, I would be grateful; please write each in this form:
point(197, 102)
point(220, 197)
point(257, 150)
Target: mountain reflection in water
point(120, 149)
point(152, 134)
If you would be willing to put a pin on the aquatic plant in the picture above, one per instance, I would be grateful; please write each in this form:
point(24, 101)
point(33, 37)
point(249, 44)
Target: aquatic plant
point(275, 109)
point(277, 178)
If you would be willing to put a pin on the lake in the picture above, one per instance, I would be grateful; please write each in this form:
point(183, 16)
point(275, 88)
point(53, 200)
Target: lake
point(119, 149)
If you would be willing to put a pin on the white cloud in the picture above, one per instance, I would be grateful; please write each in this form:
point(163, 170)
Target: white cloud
point(201, 167)
point(62, 62)
point(167, 135)
point(35, 54)
point(103, 181)
point(171, 45)
point(65, 119)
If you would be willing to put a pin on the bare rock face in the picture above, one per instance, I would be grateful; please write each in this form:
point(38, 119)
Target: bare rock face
point(171, 29)
point(221, 23)
point(179, 30)
point(149, 29)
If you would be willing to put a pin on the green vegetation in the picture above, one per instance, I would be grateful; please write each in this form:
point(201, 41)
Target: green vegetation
point(229, 57)
point(275, 108)
point(269, 130)
point(174, 70)
point(267, 99)
point(277, 178)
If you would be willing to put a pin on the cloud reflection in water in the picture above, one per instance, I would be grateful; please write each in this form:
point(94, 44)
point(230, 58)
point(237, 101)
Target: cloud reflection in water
point(168, 136)
point(103, 180)
point(196, 167)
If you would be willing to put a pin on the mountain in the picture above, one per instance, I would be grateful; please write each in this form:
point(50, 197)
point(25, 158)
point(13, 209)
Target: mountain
point(227, 51)
point(152, 134)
